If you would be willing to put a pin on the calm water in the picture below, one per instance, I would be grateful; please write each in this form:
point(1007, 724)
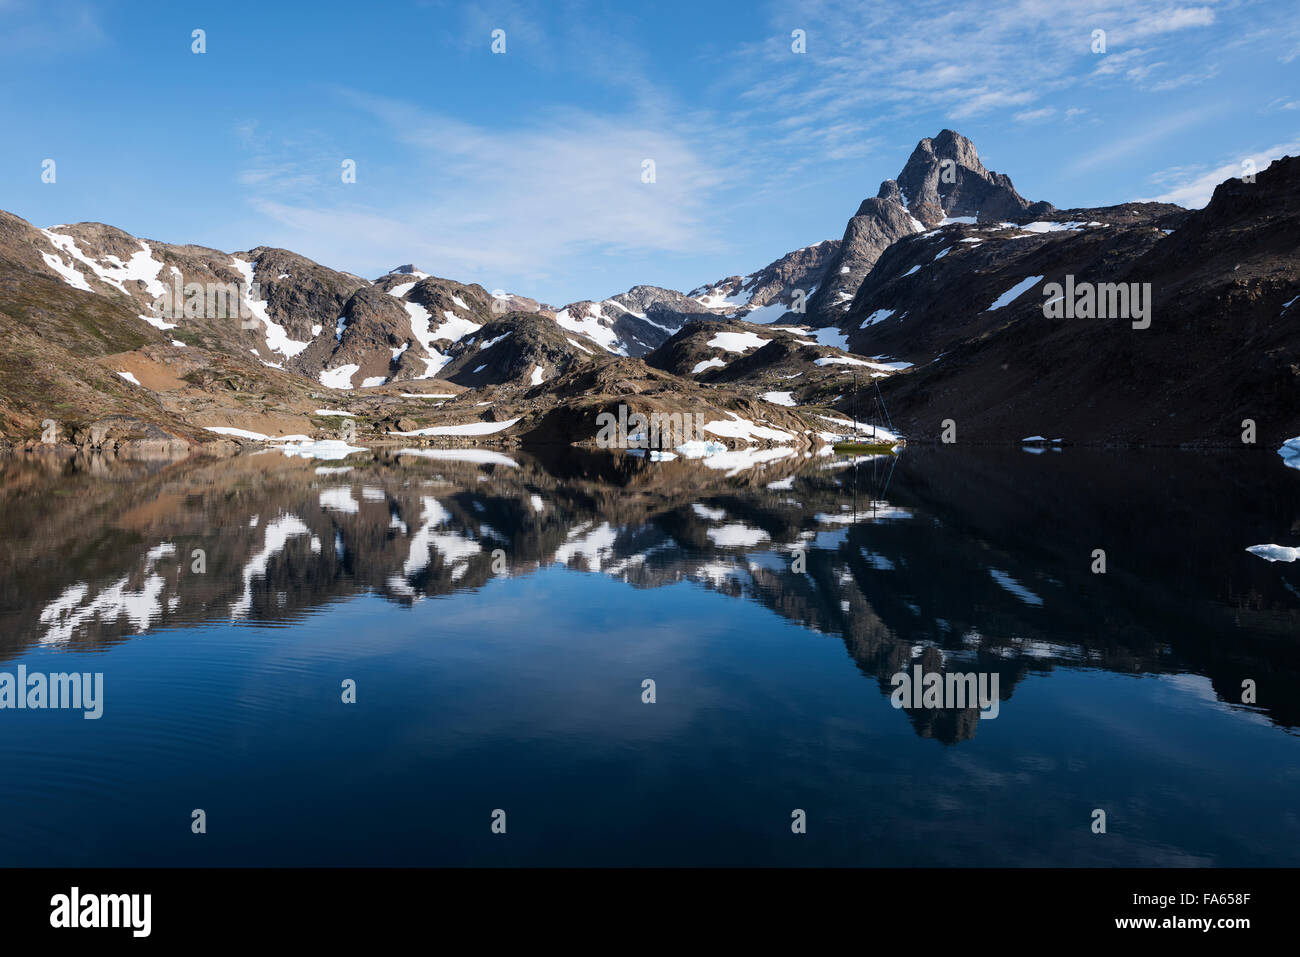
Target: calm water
point(519, 686)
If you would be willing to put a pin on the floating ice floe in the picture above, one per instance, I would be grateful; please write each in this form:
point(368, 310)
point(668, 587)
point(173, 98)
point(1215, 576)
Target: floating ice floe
point(697, 449)
point(1275, 553)
point(300, 446)
point(655, 455)
point(1290, 452)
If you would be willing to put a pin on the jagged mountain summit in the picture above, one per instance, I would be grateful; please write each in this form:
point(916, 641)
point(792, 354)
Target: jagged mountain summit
point(942, 182)
point(944, 178)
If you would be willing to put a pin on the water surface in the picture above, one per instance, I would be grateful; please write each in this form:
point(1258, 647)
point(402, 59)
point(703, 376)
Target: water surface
point(499, 616)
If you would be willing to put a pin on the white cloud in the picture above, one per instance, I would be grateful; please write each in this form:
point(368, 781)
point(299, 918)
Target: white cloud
point(1167, 21)
point(1035, 116)
point(1194, 189)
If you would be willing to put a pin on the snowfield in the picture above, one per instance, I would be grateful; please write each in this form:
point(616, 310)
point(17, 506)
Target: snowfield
point(738, 428)
point(846, 361)
point(277, 337)
point(467, 428)
point(340, 378)
point(737, 341)
point(593, 327)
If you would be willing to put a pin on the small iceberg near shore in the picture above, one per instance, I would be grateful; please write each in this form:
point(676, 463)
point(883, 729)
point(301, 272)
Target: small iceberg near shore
point(1275, 553)
point(1290, 452)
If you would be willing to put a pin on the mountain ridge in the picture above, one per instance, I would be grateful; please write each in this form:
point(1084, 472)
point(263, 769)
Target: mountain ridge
point(911, 294)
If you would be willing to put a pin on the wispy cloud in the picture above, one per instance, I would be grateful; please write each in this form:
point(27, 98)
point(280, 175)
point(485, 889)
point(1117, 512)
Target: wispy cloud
point(35, 28)
point(506, 204)
point(1035, 116)
point(1129, 141)
point(960, 60)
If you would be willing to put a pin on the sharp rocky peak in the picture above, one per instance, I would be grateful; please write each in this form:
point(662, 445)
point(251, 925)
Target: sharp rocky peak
point(944, 177)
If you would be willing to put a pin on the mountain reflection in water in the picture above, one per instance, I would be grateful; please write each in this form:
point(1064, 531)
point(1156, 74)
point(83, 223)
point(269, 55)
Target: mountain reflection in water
point(480, 601)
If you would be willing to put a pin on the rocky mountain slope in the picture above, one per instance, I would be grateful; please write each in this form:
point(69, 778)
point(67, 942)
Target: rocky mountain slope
point(1219, 343)
point(769, 293)
point(934, 300)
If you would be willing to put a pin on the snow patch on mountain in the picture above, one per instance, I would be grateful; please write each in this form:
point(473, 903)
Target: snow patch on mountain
point(467, 428)
point(277, 337)
point(737, 341)
point(593, 326)
point(1014, 292)
point(340, 378)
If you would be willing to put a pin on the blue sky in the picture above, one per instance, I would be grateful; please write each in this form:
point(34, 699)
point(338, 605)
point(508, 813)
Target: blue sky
point(523, 170)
